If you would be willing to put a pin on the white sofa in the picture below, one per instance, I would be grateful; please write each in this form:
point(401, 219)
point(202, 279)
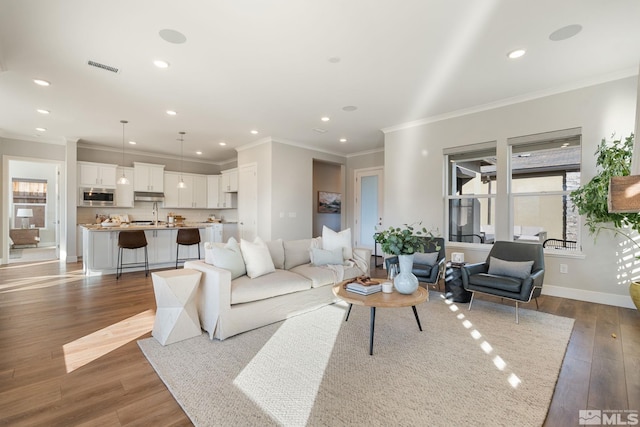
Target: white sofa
point(228, 307)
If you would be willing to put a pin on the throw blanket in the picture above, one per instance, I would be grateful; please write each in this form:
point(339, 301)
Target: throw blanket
point(338, 269)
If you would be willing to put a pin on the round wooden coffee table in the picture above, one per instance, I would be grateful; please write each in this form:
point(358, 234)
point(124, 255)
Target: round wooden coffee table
point(380, 299)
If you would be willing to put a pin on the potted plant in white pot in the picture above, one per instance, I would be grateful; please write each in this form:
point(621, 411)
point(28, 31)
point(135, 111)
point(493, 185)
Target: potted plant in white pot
point(593, 199)
point(404, 242)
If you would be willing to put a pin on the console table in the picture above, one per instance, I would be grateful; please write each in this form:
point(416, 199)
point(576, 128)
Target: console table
point(25, 236)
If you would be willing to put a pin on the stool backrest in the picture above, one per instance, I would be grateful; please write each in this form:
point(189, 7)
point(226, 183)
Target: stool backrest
point(133, 239)
point(188, 236)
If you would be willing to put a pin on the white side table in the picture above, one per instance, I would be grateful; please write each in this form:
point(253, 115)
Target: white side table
point(176, 315)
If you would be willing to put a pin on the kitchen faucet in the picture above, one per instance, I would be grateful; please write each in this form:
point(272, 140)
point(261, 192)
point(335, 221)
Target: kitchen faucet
point(155, 213)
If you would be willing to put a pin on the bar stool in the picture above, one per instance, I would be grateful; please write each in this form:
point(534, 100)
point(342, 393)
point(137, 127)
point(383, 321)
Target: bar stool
point(134, 239)
point(187, 237)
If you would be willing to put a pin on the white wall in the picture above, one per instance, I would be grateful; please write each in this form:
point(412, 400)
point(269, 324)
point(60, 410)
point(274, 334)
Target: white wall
point(414, 175)
point(326, 177)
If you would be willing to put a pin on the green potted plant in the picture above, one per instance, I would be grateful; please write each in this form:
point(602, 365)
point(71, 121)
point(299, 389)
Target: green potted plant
point(592, 199)
point(404, 242)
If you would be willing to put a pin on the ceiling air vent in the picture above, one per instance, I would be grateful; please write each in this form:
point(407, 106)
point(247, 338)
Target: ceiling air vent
point(104, 67)
point(319, 130)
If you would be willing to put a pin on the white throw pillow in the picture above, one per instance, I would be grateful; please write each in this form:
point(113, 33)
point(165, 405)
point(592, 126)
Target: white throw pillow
point(229, 257)
point(325, 257)
point(256, 257)
point(332, 240)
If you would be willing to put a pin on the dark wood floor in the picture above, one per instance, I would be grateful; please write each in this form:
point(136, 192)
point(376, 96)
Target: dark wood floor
point(68, 352)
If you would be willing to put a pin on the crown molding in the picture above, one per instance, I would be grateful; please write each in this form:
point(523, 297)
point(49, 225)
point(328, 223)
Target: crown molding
point(366, 152)
point(149, 154)
point(30, 138)
point(605, 78)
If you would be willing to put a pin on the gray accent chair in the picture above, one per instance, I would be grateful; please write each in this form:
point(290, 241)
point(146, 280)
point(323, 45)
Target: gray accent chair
point(476, 277)
point(430, 274)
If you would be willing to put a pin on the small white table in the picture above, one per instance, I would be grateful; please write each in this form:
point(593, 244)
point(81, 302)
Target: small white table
point(176, 314)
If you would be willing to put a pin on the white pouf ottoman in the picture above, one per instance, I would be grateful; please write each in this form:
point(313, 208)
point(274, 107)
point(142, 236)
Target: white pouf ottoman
point(176, 315)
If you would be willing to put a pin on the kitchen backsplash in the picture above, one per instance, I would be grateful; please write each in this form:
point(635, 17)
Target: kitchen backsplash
point(143, 211)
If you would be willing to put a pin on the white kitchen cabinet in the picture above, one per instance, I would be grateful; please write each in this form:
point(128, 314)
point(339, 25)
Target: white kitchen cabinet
point(230, 180)
point(171, 192)
point(194, 195)
point(100, 249)
point(124, 192)
point(162, 245)
point(213, 191)
point(148, 177)
point(199, 199)
point(96, 175)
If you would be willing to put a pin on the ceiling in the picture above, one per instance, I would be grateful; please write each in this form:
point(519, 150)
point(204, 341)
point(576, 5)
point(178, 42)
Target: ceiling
point(278, 66)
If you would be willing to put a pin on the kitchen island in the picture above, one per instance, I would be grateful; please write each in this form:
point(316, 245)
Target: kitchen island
point(100, 247)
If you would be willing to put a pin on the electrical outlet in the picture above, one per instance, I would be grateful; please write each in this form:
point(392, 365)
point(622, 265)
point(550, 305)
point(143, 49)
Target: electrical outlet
point(564, 269)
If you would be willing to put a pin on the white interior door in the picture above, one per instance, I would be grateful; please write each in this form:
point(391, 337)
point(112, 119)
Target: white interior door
point(369, 204)
point(248, 202)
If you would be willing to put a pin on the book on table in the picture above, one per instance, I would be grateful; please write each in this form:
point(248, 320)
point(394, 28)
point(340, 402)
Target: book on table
point(363, 289)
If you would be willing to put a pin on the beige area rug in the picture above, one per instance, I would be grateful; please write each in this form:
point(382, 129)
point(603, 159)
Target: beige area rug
point(473, 367)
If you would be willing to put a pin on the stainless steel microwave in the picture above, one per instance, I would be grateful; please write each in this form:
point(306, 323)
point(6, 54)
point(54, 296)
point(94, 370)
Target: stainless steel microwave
point(97, 197)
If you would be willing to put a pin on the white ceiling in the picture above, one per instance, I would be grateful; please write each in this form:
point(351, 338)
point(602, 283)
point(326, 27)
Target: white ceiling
point(265, 65)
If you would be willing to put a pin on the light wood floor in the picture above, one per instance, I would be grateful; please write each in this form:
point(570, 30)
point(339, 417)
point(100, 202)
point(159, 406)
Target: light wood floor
point(68, 352)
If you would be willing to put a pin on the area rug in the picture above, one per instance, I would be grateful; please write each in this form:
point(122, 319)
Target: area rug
point(473, 367)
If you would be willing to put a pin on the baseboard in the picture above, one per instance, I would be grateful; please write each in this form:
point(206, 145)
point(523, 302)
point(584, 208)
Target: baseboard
point(589, 296)
point(72, 259)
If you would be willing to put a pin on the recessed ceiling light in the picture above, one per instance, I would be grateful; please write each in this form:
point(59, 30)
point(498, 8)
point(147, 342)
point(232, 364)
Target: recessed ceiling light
point(41, 129)
point(565, 32)
point(349, 108)
point(222, 143)
point(132, 142)
point(171, 112)
point(343, 139)
point(41, 82)
point(160, 63)
point(42, 111)
point(255, 132)
point(198, 152)
point(325, 119)
point(172, 36)
point(516, 53)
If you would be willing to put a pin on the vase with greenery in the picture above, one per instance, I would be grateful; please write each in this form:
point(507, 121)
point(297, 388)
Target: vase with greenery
point(592, 199)
point(404, 242)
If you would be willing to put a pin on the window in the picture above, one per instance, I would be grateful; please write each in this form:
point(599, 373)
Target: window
point(29, 202)
point(543, 170)
point(543, 174)
point(471, 193)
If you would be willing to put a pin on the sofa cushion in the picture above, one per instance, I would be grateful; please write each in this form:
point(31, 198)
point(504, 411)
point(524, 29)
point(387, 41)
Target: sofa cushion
point(296, 252)
point(429, 258)
point(280, 282)
point(519, 269)
point(276, 249)
point(228, 257)
point(323, 276)
point(325, 257)
point(256, 257)
point(342, 239)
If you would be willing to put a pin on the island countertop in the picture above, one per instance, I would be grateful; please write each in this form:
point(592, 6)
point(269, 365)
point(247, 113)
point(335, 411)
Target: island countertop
point(160, 226)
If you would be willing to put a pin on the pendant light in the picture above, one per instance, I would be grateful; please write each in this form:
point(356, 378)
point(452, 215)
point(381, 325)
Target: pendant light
point(181, 184)
point(123, 179)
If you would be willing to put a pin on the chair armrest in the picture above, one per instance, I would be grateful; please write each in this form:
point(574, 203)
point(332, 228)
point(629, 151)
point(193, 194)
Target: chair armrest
point(470, 269)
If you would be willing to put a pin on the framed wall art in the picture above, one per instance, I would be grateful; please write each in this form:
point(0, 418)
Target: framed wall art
point(329, 202)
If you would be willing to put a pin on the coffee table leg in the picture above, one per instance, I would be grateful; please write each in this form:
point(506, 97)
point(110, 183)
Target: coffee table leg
point(415, 312)
point(348, 312)
point(373, 322)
